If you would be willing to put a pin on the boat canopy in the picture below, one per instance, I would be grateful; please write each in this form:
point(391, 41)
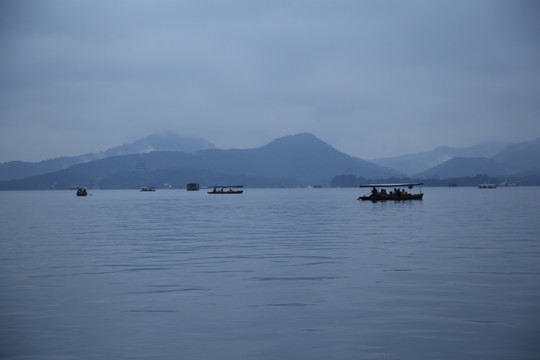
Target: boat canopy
point(409, 185)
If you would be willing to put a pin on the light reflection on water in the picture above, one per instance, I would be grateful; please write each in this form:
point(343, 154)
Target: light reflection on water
point(270, 274)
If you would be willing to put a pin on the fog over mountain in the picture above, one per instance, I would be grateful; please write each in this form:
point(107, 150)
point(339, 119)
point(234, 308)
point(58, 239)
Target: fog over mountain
point(412, 164)
point(461, 167)
point(522, 157)
point(165, 141)
point(517, 160)
point(296, 160)
point(156, 142)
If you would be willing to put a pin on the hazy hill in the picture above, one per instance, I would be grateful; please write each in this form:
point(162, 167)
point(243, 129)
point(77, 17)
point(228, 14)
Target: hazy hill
point(514, 161)
point(161, 142)
point(417, 163)
point(302, 157)
point(135, 171)
point(157, 142)
point(293, 160)
point(461, 167)
point(522, 157)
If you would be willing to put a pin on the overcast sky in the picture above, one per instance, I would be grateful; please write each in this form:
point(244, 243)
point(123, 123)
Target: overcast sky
point(372, 78)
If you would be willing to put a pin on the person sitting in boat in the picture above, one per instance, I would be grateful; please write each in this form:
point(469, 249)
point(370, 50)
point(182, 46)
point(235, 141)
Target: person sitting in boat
point(374, 191)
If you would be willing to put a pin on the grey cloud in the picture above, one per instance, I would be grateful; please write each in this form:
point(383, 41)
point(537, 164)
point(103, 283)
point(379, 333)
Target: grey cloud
point(440, 72)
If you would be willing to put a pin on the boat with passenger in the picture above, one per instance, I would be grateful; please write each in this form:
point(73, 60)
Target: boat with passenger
point(148, 189)
point(398, 193)
point(227, 189)
point(487, 185)
point(81, 192)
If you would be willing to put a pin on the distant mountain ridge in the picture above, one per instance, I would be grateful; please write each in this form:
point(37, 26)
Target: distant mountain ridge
point(462, 166)
point(514, 161)
point(413, 164)
point(522, 157)
point(303, 157)
point(157, 142)
point(295, 160)
point(161, 142)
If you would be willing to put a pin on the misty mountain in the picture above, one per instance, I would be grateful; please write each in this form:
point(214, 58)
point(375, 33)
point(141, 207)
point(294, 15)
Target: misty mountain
point(417, 163)
point(462, 167)
point(514, 161)
point(523, 157)
point(157, 142)
point(160, 142)
point(294, 160)
point(302, 157)
point(136, 171)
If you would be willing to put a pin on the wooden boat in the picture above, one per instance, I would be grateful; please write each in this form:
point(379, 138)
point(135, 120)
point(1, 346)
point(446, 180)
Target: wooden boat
point(396, 194)
point(81, 192)
point(226, 190)
point(148, 189)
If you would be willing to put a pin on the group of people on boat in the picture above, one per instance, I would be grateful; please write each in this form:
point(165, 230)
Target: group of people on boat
point(396, 192)
point(223, 191)
point(81, 192)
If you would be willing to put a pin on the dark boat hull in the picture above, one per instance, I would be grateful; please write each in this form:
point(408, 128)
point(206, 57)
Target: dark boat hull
point(387, 197)
point(226, 192)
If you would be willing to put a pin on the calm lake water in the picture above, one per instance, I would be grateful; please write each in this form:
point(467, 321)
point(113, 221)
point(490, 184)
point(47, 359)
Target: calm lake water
point(270, 274)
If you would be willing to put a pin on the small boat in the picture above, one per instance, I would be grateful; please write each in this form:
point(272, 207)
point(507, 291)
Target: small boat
point(81, 192)
point(226, 190)
point(192, 187)
point(395, 194)
point(487, 186)
point(148, 189)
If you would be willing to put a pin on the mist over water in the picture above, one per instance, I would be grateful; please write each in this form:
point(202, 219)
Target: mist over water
point(270, 274)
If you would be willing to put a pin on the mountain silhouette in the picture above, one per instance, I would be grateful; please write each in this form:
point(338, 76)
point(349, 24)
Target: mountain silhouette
point(513, 161)
point(295, 160)
point(521, 158)
point(411, 164)
point(161, 142)
point(157, 142)
point(461, 167)
point(302, 157)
